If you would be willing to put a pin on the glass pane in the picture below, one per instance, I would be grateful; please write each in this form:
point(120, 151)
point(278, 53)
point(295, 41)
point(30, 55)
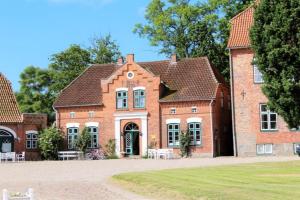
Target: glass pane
point(260, 149)
point(28, 136)
point(142, 102)
point(264, 117)
point(197, 125)
point(75, 130)
point(70, 130)
point(119, 103)
point(28, 144)
point(34, 136)
point(273, 117)
point(264, 125)
point(170, 126)
point(273, 125)
point(263, 108)
point(176, 126)
point(89, 130)
point(124, 94)
point(119, 94)
point(142, 93)
point(191, 126)
point(34, 144)
point(95, 130)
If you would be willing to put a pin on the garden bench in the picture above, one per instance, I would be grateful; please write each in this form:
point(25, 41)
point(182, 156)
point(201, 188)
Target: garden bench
point(69, 155)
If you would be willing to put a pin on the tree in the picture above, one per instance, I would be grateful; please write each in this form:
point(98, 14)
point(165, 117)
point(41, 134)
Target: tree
point(184, 144)
point(34, 96)
point(275, 39)
point(67, 65)
point(104, 50)
point(83, 140)
point(50, 140)
point(191, 29)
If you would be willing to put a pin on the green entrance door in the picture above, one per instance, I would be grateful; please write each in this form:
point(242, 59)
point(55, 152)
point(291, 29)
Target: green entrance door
point(131, 139)
point(6, 141)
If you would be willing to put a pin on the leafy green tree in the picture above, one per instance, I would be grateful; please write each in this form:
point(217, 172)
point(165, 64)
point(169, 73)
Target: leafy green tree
point(50, 140)
point(104, 50)
point(67, 65)
point(275, 38)
point(184, 144)
point(83, 140)
point(110, 149)
point(191, 29)
point(34, 95)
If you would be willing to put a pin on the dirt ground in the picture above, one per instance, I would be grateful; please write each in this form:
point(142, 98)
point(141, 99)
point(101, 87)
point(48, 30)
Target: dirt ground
point(89, 180)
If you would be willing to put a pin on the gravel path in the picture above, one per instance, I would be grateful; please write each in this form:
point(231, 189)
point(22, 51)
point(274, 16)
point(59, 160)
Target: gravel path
point(88, 180)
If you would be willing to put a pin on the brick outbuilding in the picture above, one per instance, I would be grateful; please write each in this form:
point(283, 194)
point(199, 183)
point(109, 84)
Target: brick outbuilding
point(18, 132)
point(148, 104)
point(256, 129)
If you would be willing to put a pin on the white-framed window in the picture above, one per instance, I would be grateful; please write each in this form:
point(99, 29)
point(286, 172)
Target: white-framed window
point(91, 114)
point(122, 99)
point(31, 140)
point(173, 134)
point(268, 119)
point(93, 131)
point(173, 111)
point(72, 137)
point(257, 75)
point(295, 129)
point(262, 149)
point(296, 145)
point(222, 99)
point(195, 133)
point(194, 109)
point(72, 114)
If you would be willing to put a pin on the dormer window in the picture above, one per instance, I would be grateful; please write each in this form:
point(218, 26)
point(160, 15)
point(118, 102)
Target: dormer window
point(173, 111)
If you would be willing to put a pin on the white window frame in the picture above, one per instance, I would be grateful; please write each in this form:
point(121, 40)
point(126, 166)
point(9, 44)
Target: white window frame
point(173, 111)
point(268, 113)
point(72, 115)
point(257, 75)
point(194, 109)
point(295, 146)
point(264, 149)
point(91, 114)
point(31, 140)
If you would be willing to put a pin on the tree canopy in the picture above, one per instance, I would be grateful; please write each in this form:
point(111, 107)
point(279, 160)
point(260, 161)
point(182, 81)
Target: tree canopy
point(275, 38)
point(191, 29)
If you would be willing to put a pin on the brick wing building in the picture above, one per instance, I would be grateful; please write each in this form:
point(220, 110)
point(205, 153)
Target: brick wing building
point(148, 104)
point(18, 132)
point(257, 130)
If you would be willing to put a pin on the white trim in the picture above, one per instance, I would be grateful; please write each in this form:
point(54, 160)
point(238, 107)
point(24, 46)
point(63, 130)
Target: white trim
point(31, 131)
point(92, 124)
point(131, 73)
point(194, 119)
point(72, 125)
point(121, 89)
point(173, 121)
point(139, 88)
point(9, 130)
point(131, 115)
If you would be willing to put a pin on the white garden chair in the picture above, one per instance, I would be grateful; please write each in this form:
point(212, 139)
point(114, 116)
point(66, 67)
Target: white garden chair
point(20, 157)
point(152, 153)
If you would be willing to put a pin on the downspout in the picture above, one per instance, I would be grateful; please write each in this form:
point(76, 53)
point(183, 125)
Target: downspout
point(235, 153)
point(212, 128)
point(57, 118)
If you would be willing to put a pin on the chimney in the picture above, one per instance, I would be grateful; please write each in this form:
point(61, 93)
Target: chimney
point(130, 58)
point(120, 61)
point(174, 58)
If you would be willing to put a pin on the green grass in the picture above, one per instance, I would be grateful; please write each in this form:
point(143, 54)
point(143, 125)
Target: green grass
point(251, 181)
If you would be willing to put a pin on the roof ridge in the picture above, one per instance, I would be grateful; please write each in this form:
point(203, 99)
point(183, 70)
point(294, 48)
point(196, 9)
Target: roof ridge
point(239, 14)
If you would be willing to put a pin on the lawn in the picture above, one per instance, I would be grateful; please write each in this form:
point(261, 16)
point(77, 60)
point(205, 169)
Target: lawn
point(249, 181)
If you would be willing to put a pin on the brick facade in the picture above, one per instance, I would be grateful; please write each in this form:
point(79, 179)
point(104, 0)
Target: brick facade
point(151, 119)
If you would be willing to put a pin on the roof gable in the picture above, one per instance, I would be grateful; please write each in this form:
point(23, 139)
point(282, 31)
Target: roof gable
point(240, 29)
point(9, 110)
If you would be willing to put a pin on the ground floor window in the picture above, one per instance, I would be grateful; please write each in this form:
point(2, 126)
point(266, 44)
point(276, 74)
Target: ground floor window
point(296, 146)
point(31, 140)
point(173, 134)
point(93, 131)
point(72, 137)
point(262, 149)
point(195, 133)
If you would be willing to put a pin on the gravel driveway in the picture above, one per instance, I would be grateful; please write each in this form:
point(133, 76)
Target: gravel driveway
point(88, 180)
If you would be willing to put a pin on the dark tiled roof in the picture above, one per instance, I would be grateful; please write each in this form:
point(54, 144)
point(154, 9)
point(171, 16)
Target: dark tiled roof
point(240, 28)
point(86, 88)
point(9, 110)
point(188, 80)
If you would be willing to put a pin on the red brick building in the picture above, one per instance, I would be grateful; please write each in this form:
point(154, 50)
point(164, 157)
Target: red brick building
point(148, 104)
point(18, 132)
point(257, 130)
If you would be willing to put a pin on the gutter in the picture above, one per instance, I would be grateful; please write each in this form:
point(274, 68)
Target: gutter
point(212, 128)
point(235, 152)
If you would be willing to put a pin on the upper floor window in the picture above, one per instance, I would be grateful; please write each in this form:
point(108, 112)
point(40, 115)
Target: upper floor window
point(173, 134)
point(72, 114)
point(91, 114)
point(72, 137)
point(31, 140)
point(195, 133)
point(173, 111)
point(139, 98)
point(93, 131)
point(268, 118)
point(122, 99)
point(257, 75)
point(194, 109)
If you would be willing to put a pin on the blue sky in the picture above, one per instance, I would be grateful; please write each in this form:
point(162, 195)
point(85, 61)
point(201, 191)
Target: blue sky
point(32, 30)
